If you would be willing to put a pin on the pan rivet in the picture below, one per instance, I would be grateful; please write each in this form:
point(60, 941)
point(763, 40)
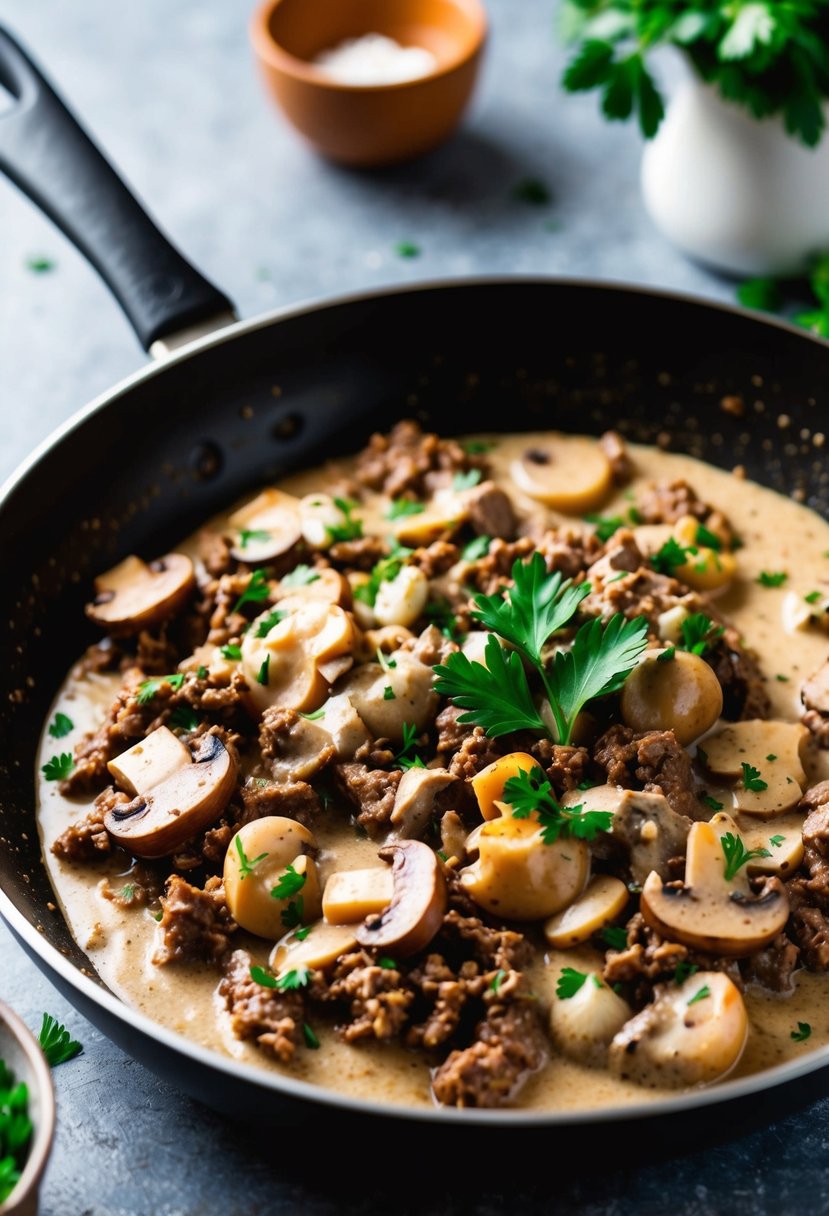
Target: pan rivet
point(287, 427)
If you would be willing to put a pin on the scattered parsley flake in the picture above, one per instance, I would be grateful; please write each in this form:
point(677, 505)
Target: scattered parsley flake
point(60, 726)
point(497, 980)
point(268, 622)
point(477, 447)
point(262, 674)
point(534, 191)
point(403, 507)
point(256, 591)
point(776, 841)
point(466, 481)
point(147, 689)
point(699, 632)
point(289, 884)
point(704, 992)
point(615, 936)
point(246, 867)
point(761, 294)
point(771, 756)
point(184, 718)
point(752, 780)
point(249, 534)
point(315, 715)
point(802, 1033)
point(477, 548)
point(684, 971)
point(782, 679)
point(403, 759)
point(407, 249)
point(605, 525)
point(775, 578)
point(388, 693)
point(300, 576)
point(59, 767)
point(388, 964)
point(350, 528)
point(230, 651)
point(201, 672)
point(813, 597)
point(440, 613)
point(707, 538)
point(737, 855)
point(671, 555)
point(56, 1041)
point(383, 571)
point(293, 916)
point(712, 802)
point(385, 662)
point(301, 934)
point(311, 1039)
point(667, 655)
point(530, 792)
point(39, 263)
point(569, 982)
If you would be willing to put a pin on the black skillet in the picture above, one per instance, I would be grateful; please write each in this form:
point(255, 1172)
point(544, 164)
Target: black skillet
point(137, 469)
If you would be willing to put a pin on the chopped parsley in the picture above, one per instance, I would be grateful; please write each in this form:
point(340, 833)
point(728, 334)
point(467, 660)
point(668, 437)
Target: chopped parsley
point(128, 892)
point(290, 883)
point(268, 622)
point(403, 507)
point(311, 1039)
point(293, 916)
point(184, 718)
point(466, 481)
point(752, 780)
point(39, 263)
point(711, 803)
point(15, 1130)
point(530, 792)
point(699, 632)
point(385, 662)
point(388, 693)
point(296, 978)
point(477, 447)
point(407, 249)
point(477, 548)
point(569, 982)
point(667, 655)
point(388, 964)
point(301, 934)
point(262, 674)
point(256, 591)
point(248, 534)
point(300, 576)
point(383, 571)
point(704, 992)
point(771, 756)
point(776, 841)
point(812, 597)
point(315, 716)
point(802, 1033)
point(404, 758)
point(59, 767)
point(671, 555)
point(615, 936)
point(230, 651)
point(775, 578)
point(60, 726)
point(497, 980)
point(707, 538)
point(605, 525)
point(737, 855)
point(201, 672)
point(782, 679)
point(350, 528)
point(147, 689)
point(245, 866)
point(684, 971)
point(440, 613)
point(56, 1041)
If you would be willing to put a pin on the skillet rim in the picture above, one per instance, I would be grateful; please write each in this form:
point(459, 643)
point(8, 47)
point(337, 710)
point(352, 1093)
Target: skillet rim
point(287, 1086)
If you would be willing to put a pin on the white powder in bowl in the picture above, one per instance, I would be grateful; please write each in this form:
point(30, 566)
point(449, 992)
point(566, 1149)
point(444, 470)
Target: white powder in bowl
point(375, 59)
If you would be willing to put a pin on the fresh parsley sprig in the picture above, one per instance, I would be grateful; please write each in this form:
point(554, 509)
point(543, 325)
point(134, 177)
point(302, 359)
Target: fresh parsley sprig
point(699, 633)
point(147, 689)
point(496, 695)
point(531, 793)
point(406, 757)
point(737, 855)
point(255, 592)
point(56, 1041)
point(247, 866)
point(59, 767)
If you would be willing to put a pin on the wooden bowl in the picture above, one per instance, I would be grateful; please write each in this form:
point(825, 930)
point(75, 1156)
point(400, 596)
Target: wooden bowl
point(370, 124)
point(21, 1052)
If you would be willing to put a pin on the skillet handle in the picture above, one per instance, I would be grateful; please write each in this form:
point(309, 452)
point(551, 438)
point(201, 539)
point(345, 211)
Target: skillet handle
point(47, 154)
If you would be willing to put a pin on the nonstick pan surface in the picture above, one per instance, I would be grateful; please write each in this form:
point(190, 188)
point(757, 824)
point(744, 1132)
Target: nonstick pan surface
point(139, 468)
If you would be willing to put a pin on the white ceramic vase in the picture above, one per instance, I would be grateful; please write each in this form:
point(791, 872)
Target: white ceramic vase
point(734, 192)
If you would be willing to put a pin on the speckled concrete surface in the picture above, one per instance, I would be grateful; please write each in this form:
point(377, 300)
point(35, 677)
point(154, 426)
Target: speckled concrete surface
point(169, 90)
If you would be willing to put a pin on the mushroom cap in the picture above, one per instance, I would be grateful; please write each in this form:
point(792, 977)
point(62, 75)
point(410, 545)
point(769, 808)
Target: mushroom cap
point(567, 472)
point(414, 800)
point(583, 1025)
point(603, 899)
point(752, 742)
point(518, 876)
point(683, 1038)
point(416, 912)
point(708, 911)
point(150, 761)
point(782, 839)
point(442, 517)
point(414, 700)
point(163, 817)
point(402, 599)
point(134, 595)
point(352, 895)
point(681, 694)
point(265, 527)
point(325, 585)
point(277, 842)
point(300, 657)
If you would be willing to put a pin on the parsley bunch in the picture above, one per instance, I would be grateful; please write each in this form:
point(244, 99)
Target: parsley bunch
point(769, 56)
point(497, 694)
point(531, 793)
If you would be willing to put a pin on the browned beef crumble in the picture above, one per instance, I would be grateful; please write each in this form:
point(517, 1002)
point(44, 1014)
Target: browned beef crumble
point(437, 558)
point(649, 760)
point(490, 511)
point(615, 449)
point(398, 463)
point(208, 848)
point(376, 998)
point(809, 890)
point(743, 685)
point(86, 840)
point(510, 1045)
point(446, 996)
point(214, 550)
point(195, 923)
point(296, 800)
point(370, 791)
point(566, 766)
point(666, 502)
point(283, 737)
point(649, 959)
point(475, 752)
point(360, 554)
point(451, 734)
point(271, 1019)
point(774, 967)
point(814, 693)
point(101, 656)
point(155, 653)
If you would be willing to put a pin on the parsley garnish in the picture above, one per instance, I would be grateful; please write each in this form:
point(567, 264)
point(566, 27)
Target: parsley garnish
point(246, 867)
point(712, 802)
point(256, 591)
point(39, 263)
point(293, 916)
point(476, 447)
point(802, 1033)
point(667, 656)
point(230, 651)
point(771, 756)
point(477, 548)
point(59, 767)
point(684, 971)
point(248, 534)
point(311, 1039)
point(700, 996)
point(388, 964)
point(315, 716)
point(605, 525)
point(385, 662)
point(147, 689)
point(403, 759)
point(782, 679)
point(531, 792)
point(407, 249)
point(737, 855)
point(128, 892)
point(201, 672)
point(267, 623)
point(290, 883)
point(707, 538)
point(466, 481)
point(60, 726)
point(699, 632)
point(774, 578)
point(440, 613)
point(762, 294)
point(184, 718)
point(388, 693)
point(615, 936)
point(671, 555)
point(56, 1041)
point(402, 507)
point(300, 576)
point(301, 934)
point(569, 983)
point(497, 980)
point(752, 779)
point(262, 674)
point(15, 1130)
point(383, 571)
point(776, 841)
point(496, 694)
point(350, 528)
point(297, 977)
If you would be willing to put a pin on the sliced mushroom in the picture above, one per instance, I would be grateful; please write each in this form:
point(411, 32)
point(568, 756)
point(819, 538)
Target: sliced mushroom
point(266, 527)
point(402, 599)
point(325, 585)
point(644, 823)
point(710, 912)
point(414, 800)
point(488, 784)
point(352, 895)
point(518, 876)
point(772, 750)
point(274, 851)
point(567, 472)
point(679, 693)
point(440, 519)
point(798, 613)
point(416, 912)
point(453, 836)
point(150, 762)
point(603, 900)
point(693, 1033)
point(295, 663)
point(320, 516)
point(343, 726)
point(413, 701)
point(319, 947)
point(162, 817)
point(300, 751)
point(782, 839)
point(584, 1025)
point(133, 595)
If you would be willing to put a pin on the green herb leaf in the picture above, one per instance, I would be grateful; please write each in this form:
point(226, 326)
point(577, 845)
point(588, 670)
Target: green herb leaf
point(230, 651)
point(248, 534)
point(147, 689)
point(403, 507)
point(293, 916)
point(39, 263)
point(465, 481)
point(569, 982)
point(812, 597)
point(262, 674)
point(476, 549)
point(671, 555)
point(737, 855)
point(599, 662)
point(350, 528)
point(752, 779)
point(289, 884)
point(704, 992)
point(667, 656)
point(776, 841)
point(383, 571)
point(533, 191)
point(802, 1033)
point(60, 726)
point(615, 936)
point(605, 525)
point(497, 980)
point(311, 1039)
point(774, 578)
point(59, 767)
point(315, 715)
point(56, 1041)
point(684, 971)
point(403, 759)
point(476, 447)
point(496, 696)
point(531, 792)
point(699, 632)
point(711, 802)
point(762, 294)
point(266, 623)
point(300, 576)
point(388, 964)
point(256, 591)
point(407, 249)
point(247, 867)
point(184, 718)
point(388, 693)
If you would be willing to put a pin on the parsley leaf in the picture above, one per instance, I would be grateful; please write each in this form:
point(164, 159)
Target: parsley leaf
point(496, 696)
point(533, 191)
point(296, 978)
point(615, 936)
point(569, 982)
point(598, 663)
point(248, 534)
point(311, 1039)
point(388, 964)
point(752, 779)
point(230, 651)
point(762, 294)
point(59, 767)
point(712, 802)
point(245, 866)
point(388, 693)
point(699, 632)
point(774, 578)
point(704, 992)
point(530, 792)
point(605, 525)
point(671, 555)
point(256, 591)
point(477, 548)
point(440, 613)
point(403, 759)
point(667, 656)
point(300, 576)
point(266, 623)
point(684, 971)
point(350, 528)
point(407, 249)
point(292, 916)
point(262, 673)
point(802, 1033)
point(184, 718)
point(147, 689)
point(56, 1041)
point(776, 841)
point(383, 571)
point(60, 726)
point(466, 481)
point(497, 980)
point(402, 507)
point(290, 883)
point(737, 855)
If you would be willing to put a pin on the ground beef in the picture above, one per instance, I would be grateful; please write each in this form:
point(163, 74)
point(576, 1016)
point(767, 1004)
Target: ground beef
point(436, 558)
point(156, 654)
point(639, 593)
point(378, 998)
point(221, 598)
point(808, 927)
point(86, 840)
point(138, 888)
point(490, 511)
point(650, 760)
point(615, 449)
point(743, 685)
point(288, 742)
point(649, 958)
point(370, 791)
point(462, 935)
point(451, 734)
point(214, 551)
point(809, 890)
point(773, 967)
point(101, 656)
point(476, 751)
point(814, 693)
point(566, 767)
point(296, 800)
point(362, 553)
point(446, 996)
point(569, 550)
point(125, 724)
point(208, 848)
point(195, 924)
point(666, 502)
point(272, 1019)
point(509, 1045)
point(398, 463)
point(431, 646)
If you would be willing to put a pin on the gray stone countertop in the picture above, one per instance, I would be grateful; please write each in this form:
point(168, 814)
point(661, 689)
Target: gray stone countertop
point(169, 90)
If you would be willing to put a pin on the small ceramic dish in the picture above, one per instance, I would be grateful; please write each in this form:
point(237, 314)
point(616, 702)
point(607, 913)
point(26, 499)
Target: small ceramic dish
point(21, 1052)
point(370, 124)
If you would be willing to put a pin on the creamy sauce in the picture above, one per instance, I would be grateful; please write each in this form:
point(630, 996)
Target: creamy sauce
point(778, 535)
